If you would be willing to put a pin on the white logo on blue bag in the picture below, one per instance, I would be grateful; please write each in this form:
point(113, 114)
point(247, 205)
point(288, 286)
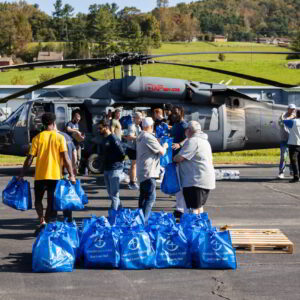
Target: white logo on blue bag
point(171, 246)
point(216, 246)
point(134, 244)
point(99, 243)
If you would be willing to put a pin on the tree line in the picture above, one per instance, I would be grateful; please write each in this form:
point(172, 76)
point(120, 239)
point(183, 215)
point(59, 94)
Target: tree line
point(107, 29)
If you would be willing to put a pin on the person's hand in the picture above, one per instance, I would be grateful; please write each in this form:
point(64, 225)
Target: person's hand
point(72, 179)
point(175, 146)
point(166, 145)
point(20, 177)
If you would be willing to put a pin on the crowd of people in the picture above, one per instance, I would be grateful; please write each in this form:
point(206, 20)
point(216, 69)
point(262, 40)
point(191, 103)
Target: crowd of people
point(139, 137)
point(58, 153)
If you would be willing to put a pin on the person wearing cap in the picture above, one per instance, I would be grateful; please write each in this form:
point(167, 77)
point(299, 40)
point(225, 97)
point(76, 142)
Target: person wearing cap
point(284, 134)
point(133, 132)
point(294, 145)
point(148, 166)
point(113, 156)
point(196, 170)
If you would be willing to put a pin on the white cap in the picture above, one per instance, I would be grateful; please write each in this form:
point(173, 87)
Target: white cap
point(194, 125)
point(292, 106)
point(147, 122)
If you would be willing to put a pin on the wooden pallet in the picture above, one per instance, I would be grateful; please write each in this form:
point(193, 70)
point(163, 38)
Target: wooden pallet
point(260, 241)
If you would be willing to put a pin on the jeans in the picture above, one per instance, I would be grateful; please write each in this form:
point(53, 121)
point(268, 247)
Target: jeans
point(295, 159)
point(147, 196)
point(112, 182)
point(284, 150)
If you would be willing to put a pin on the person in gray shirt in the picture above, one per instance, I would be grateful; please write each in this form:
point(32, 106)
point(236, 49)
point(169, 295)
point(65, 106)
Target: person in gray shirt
point(148, 166)
point(197, 174)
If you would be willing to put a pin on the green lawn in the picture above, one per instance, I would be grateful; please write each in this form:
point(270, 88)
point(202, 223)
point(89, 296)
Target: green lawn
point(268, 66)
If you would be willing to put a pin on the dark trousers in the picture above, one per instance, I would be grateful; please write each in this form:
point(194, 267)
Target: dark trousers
point(147, 196)
point(40, 186)
point(294, 151)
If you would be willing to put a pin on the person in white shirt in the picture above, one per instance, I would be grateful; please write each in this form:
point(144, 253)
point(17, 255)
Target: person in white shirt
point(294, 145)
point(284, 134)
point(196, 170)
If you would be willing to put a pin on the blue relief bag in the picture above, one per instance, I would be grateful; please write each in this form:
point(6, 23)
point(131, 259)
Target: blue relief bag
point(17, 194)
point(167, 158)
point(52, 252)
point(136, 250)
point(161, 130)
point(213, 250)
point(170, 184)
point(72, 235)
point(65, 197)
point(80, 192)
point(90, 226)
point(172, 250)
point(126, 218)
point(102, 249)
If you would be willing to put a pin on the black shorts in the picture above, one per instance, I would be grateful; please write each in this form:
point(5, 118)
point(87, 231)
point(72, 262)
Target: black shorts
point(40, 186)
point(195, 197)
point(131, 154)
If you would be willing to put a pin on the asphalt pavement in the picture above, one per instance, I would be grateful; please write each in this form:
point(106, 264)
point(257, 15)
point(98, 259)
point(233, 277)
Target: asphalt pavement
point(256, 200)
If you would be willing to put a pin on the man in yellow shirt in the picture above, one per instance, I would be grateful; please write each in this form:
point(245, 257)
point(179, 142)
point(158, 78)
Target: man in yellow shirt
point(49, 147)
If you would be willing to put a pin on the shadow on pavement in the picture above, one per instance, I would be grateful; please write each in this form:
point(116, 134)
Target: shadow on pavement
point(17, 263)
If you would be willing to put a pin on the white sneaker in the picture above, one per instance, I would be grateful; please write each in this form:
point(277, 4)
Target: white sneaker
point(133, 186)
point(280, 176)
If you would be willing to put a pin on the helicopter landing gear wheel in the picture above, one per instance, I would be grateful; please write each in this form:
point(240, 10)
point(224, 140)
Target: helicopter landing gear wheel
point(95, 163)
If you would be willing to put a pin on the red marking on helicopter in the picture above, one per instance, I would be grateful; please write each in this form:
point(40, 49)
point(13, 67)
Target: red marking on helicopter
point(160, 87)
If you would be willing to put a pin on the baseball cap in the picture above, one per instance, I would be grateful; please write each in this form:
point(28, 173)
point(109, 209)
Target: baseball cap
point(292, 106)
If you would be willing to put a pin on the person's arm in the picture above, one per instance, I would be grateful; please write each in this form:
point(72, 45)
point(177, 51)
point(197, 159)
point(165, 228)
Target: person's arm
point(68, 165)
point(187, 152)
point(176, 146)
point(27, 163)
point(72, 130)
point(156, 147)
point(74, 161)
point(178, 158)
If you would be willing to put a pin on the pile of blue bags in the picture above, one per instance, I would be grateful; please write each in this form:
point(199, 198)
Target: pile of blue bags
point(122, 240)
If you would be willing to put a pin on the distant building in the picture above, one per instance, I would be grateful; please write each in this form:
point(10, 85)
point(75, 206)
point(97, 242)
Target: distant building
point(264, 40)
point(50, 56)
point(220, 38)
point(6, 61)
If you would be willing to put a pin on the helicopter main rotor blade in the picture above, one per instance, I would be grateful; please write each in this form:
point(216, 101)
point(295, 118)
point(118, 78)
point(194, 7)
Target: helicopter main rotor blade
point(221, 52)
point(85, 61)
point(55, 80)
point(235, 74)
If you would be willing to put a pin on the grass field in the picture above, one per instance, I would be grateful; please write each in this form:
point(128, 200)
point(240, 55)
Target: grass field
point(270, 156)
point(268, 66)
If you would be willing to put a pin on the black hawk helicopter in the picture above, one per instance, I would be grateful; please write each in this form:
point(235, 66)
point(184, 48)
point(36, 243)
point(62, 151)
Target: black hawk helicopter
point(232, 120)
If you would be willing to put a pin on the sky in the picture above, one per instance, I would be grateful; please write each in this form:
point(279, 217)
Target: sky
point(83, 5)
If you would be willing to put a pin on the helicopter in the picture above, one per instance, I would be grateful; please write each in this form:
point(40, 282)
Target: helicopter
point(232, 120)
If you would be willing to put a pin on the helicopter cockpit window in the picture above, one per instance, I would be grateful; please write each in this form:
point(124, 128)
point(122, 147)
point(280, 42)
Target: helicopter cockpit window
point(208, 117)
point(13, 118)
point(22, 122)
